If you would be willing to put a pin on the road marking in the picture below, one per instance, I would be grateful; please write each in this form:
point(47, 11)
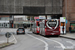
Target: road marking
point(71, 43)
point(46, 45)
point(14, 39)
point(63, 47)
point(70, 47)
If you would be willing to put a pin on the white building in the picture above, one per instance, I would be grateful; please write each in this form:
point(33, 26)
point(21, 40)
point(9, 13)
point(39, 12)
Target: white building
point(20, 20)
point(4, 21)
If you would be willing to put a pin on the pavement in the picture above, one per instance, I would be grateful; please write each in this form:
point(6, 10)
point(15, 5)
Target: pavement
point(5, 45)
point(69, 35)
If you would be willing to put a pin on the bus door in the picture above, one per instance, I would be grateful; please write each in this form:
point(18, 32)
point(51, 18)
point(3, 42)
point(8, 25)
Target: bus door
point(42, 28)
point(37, 29)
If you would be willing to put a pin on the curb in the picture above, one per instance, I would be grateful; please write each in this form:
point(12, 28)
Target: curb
point(6, 45)
point(67, 37)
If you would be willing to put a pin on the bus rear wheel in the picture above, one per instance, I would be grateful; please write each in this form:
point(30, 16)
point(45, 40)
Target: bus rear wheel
point(58, 35)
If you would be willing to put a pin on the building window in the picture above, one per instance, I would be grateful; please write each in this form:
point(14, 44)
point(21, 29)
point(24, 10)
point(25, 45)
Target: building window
point(6, 24)
point(2, 24)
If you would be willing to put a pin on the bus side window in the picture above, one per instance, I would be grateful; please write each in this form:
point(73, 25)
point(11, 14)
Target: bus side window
point(38, 24)
point(58, 23)
point(35, 25)
point(42, 25)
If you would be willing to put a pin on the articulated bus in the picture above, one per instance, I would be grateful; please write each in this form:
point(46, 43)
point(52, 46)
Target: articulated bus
point(35, 27)
point(50, 27)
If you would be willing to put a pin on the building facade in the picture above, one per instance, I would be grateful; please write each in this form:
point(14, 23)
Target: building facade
point(31, 7)
point(20, 21)
point(4, 21)
point(69, 11)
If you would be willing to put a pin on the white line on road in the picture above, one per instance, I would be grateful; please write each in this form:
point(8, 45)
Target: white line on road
point(70, 47)
point(46, 45)
point(63, 47)
point(71, 43)
point(14, 39)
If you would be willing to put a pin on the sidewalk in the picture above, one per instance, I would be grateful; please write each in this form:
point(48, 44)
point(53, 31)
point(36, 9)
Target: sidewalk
point(69, 35)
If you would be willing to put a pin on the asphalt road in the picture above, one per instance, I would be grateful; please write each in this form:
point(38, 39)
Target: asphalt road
point(31, 41)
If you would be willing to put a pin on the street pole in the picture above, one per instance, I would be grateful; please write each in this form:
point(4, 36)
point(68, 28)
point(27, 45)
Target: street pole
point(7, 39)
point(30, 23)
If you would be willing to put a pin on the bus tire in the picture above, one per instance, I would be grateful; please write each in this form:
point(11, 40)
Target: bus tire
point(58, 35)
point(33, 32)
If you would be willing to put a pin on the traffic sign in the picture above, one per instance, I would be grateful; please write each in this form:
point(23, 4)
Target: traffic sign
point(8, 35)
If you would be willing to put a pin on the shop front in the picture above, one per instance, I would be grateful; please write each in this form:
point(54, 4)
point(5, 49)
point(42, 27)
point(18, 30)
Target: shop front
point(72, 24)
point(24, 24)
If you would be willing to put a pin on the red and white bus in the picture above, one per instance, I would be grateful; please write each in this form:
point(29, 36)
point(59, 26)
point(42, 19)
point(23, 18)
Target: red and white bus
point(50, 27)
point(35, 27)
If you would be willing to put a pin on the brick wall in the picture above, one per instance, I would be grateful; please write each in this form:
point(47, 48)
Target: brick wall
point(70, 11)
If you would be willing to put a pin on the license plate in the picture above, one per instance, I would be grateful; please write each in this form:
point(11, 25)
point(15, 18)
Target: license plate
point(20, 31)
point(52, 33)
